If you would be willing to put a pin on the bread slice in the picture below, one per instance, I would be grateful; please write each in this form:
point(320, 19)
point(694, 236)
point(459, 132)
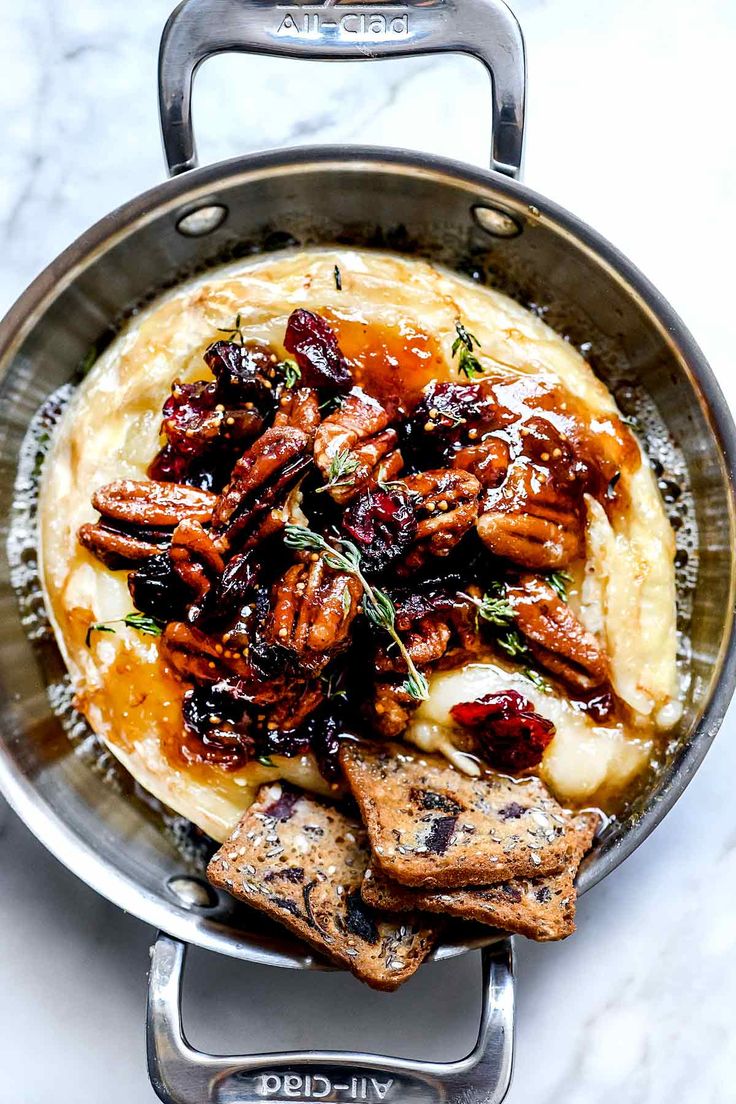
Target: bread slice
point(302, 862)
point(431, 826)
point(540, 908)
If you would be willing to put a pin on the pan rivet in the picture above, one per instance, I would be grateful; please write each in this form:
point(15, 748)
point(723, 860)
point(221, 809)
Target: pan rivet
point(192, 892)
point(203, 220)
point(494, 221)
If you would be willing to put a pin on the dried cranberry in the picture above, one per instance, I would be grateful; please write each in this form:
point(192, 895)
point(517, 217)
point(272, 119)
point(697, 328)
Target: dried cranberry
point(446, 412)
point(283, 807)
point(512, 737)
point(169, 466)
point(243, 372)
point(383, 524)
point(157, 590)
point(599, 703)
point(217, 719)
point(190, 419)
point(314, 345)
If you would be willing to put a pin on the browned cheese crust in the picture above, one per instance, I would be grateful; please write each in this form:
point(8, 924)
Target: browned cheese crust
point(302, 862)
point(429, 825)
point(540, 908)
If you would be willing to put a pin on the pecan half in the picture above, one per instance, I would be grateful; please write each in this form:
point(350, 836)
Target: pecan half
point(150, 504)
point(426, 642)
point(391, 709)
point(487, 460)
point(555, 637)
point(115, 549)
point(446, 502)
point(314, 607)
point(195, 558)
point(537, 517)
point(248, 510)
point(299, 407)
point(357, 431)
point(196, 657)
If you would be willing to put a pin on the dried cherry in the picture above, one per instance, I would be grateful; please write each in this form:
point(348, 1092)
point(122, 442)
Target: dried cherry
point(511, 736)
point(157, 589)
point(314, 345)
point(383, 524)
point(216, 717)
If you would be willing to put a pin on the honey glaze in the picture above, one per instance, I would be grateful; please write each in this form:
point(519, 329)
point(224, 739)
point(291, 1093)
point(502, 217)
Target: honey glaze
point(391, 362)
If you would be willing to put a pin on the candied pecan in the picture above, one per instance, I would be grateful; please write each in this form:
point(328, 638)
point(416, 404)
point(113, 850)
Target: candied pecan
point(298, 701)
point(447, 506)
point(357, 432)
point(486, 459)
point(391, 709)
point(115, 549)
point(299, 407)
point(195, 557)
point(314, 607)
point(249, 507)
point(314, 345)
point(537, 517)
point(148, 503)
point(555, 637)
point(426, 642)
point(196, 657)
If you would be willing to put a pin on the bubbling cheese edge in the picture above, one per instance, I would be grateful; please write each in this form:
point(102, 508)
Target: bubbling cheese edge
point(111, 431)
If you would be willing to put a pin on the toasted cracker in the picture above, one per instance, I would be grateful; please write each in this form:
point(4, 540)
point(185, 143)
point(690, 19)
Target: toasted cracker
point(429, 825)
point(302, 862)
point(539, 908)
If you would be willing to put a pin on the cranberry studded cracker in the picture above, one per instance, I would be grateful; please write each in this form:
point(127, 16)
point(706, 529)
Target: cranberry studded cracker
point(302, 862)
point(540, 908)
point(429, 825)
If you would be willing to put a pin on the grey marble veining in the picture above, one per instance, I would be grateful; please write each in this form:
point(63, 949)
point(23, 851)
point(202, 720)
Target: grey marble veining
point(631, 126)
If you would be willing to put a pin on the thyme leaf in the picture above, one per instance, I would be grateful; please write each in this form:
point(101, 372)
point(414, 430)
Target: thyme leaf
point(343, 555)
point(292, 372)
point(140, 621)
point(513, 644)
point(342, 466)
point(465, 342)
point(493, 608)
point(536, 678)
point(338, 278)
point(559, 580)
point(235, 331)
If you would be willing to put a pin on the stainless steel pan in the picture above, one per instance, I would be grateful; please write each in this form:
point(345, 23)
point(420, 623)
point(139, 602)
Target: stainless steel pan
point(464, 217)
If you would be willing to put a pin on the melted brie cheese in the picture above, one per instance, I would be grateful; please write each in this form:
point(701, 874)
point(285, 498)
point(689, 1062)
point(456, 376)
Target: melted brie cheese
point(111, 431)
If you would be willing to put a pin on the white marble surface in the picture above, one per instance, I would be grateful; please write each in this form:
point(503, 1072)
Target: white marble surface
point(631, 126)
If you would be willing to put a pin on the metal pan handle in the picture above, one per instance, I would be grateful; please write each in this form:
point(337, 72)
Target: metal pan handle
point(182, 1075)
point(340, 30)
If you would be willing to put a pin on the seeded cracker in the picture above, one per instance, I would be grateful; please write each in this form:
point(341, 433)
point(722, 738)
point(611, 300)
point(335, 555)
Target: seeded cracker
point(429, 825)
point(302, 862)
point(539, 908)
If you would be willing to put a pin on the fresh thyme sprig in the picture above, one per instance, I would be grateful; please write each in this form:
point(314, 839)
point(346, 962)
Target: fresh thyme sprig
point(494, 608)
point(559, 581)
point(342, 466)
point(343, 555)
point(140, 621)
point(235, 331)
point(468, 363)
